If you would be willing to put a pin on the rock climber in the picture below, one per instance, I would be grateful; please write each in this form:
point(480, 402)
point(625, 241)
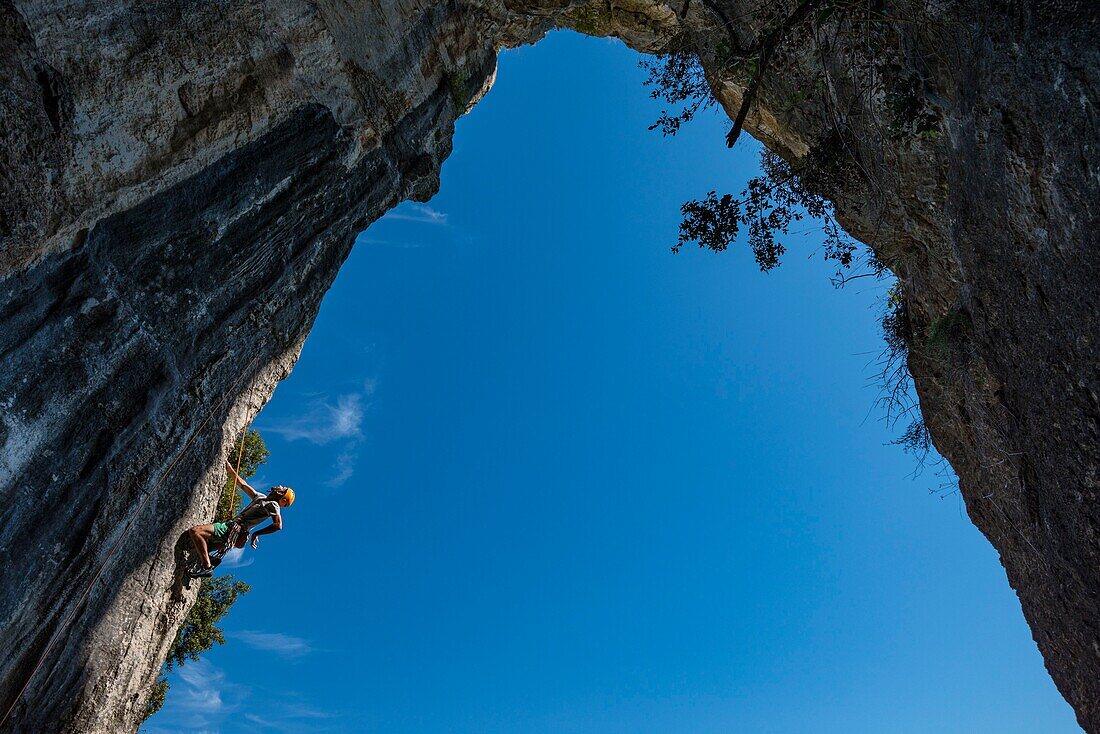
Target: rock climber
point(262, 507)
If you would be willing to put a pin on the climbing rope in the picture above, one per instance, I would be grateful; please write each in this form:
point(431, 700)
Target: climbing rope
point(240, 456)
point(118, 542)
point(237, 471)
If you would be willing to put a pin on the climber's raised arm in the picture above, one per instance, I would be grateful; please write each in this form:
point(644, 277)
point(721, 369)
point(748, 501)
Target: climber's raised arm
point(252, 494)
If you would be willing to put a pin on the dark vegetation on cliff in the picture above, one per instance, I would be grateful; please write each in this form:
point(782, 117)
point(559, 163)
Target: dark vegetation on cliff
point(198, 633)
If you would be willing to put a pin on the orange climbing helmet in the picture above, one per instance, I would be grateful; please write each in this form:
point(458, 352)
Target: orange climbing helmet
point(288, 495)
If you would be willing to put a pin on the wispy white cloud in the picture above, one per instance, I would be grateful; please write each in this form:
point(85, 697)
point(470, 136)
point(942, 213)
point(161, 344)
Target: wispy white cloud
point(344, 465)
point(235, 559)
point(364, 240)
point(265, 723)
point(302, 711)
point(291, 718)
point(411, 211)
point(324, 422)
point(287, 646)
point(201, 688)
point(200, 699)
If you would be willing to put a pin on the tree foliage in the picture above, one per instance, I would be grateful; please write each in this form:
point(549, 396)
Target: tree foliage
point(678, 79)
point(768, 206)
point(199, 631)
point(156, 697)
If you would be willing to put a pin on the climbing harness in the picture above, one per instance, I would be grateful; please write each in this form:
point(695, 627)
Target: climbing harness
point(195, 569)
point(118, 541)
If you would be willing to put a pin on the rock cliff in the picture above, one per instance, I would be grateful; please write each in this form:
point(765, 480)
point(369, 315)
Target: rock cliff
point(181, 183)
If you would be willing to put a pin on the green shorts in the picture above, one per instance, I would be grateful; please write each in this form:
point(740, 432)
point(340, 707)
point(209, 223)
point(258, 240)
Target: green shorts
point(221, 532)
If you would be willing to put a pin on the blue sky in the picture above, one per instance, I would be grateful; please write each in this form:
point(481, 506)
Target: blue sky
point(553, 478)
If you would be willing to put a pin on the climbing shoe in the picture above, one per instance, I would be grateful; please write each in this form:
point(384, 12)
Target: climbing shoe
point(201, 573)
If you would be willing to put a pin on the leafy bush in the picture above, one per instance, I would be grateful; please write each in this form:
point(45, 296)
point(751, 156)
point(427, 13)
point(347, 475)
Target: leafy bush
point(767, 208)
point(156, 697)
point(198, 633)
point(945, 332)
point(591, 20)
point(459, 84)
point(678, 79)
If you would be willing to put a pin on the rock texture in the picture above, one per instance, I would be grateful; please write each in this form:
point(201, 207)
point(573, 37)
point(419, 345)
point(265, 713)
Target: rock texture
point(179, 184)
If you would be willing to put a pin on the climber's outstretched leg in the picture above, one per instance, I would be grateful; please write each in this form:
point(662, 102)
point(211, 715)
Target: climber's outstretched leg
point(200, 536)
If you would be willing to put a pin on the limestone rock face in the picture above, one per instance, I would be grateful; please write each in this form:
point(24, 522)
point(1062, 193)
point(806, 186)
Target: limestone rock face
point(179, 184)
